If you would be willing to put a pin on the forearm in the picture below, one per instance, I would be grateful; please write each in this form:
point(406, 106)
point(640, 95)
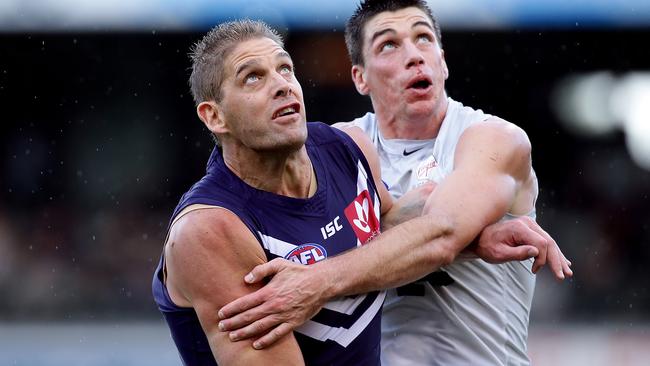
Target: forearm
point(407, 207)
point(398, 256)
point(401, 213)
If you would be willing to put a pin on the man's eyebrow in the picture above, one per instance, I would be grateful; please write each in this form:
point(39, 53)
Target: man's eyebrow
point(391, 30)
point(252, 63)
point(284, 54)
point(381, 33)
point(245, 65)
point(422, 22)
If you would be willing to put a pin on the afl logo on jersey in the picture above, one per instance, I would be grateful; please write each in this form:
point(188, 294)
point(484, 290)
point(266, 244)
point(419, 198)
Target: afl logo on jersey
point(307, 254)
point(361, 215)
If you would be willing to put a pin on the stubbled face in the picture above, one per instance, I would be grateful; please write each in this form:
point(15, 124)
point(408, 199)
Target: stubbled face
point(405, 69)
point(262, 105)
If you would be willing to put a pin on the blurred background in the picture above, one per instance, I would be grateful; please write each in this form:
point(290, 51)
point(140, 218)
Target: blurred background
point(99, 139)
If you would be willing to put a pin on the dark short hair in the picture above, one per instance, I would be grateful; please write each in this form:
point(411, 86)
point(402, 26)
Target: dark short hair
point(368, 9)
point(209, 53)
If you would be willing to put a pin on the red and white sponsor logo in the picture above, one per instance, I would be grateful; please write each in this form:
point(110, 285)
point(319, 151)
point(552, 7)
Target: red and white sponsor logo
point(361, 215)
point(427, 170)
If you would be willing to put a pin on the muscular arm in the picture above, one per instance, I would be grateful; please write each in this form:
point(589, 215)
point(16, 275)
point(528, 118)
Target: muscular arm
point(492, 176)
point(488, 180)
point(207, 254)
point(407, 207)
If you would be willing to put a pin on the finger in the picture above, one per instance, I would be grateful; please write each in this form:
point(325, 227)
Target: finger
point(243, 319)
point(264, 270)
point(555, 260)
point(540, 261)
point(526, 235)
point(530, 236)
point(273, 336)
point(568, 262)
point(564, 262)
point(566, 269)
point(566, 266)
point(255, 329)
point(519, 253)
point(242, 304)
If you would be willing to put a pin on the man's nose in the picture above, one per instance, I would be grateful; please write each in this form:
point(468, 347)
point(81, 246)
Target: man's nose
point(413, 55)
point(282, 87)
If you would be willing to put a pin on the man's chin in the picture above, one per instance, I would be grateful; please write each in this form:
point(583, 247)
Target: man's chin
point(420, 109)
point(286, 142)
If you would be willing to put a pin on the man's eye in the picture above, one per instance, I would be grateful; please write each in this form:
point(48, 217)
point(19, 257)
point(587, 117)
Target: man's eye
point(424, 38)
point(286, 69)
point(387, 46)
point(251, 78)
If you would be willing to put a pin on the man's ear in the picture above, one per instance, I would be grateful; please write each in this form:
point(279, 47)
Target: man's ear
point(210, 113)
point(359, 80)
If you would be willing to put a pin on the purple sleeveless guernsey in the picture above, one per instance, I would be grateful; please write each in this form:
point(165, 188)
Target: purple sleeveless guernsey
point(343, 214)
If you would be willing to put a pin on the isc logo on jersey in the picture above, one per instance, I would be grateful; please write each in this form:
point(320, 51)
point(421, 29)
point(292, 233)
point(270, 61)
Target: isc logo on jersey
point(361, 215)
point(307, 254)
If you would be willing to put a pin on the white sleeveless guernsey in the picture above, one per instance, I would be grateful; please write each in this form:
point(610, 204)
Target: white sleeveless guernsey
point(481, 318)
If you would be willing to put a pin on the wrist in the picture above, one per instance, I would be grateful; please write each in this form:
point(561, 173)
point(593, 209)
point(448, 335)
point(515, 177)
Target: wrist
point(329, 278)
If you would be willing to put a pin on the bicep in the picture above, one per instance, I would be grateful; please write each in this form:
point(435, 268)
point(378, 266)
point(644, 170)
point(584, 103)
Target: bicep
point(209, 253)
point(488, 166)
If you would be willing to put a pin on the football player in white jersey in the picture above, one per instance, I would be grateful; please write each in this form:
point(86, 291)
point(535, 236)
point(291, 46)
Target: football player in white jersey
point(478, 314)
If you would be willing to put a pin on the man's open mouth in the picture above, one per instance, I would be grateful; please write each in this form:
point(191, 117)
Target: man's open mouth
point(421, 83)
point(287, 110)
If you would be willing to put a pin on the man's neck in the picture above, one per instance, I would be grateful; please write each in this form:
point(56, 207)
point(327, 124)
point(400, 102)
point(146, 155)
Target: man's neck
point(287, 174)
point(420, 127)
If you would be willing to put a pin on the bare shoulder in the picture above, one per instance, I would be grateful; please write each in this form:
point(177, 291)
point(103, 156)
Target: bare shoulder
point(359, 137)
point(344, 125)
point(208, 227)
point(495, 143)
point(494, 127)
point(498, 135)
point(355, 132)
point(206, 244)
